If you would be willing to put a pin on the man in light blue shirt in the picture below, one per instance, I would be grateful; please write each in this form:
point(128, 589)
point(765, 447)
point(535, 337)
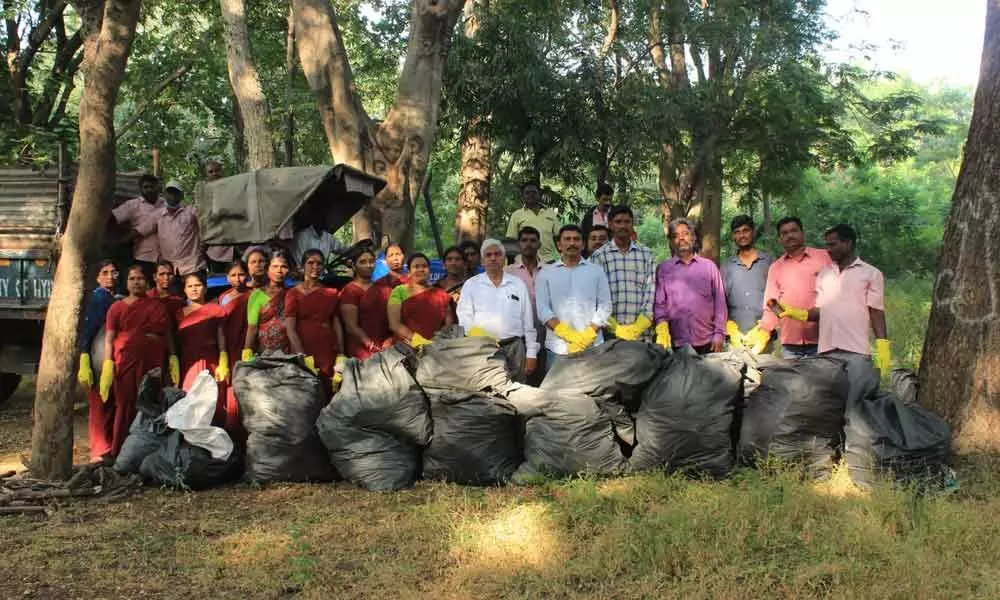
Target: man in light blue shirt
point(573, 298)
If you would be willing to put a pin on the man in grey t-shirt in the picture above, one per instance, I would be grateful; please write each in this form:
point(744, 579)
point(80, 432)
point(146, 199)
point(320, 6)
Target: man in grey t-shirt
point(744, 276)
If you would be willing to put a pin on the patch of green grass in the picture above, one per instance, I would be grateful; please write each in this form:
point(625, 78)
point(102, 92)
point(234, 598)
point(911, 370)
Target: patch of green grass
point(908, 307)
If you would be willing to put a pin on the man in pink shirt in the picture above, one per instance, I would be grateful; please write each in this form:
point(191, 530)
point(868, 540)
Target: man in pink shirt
point(791, 283)
point(178, 233)
point(141, 215)
point(850, 302)
point(527, 269)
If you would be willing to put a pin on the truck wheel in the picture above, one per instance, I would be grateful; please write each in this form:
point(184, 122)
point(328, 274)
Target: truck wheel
point(8, 384)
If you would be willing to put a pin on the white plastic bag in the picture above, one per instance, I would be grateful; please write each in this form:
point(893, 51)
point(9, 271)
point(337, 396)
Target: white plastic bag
point(192, 416)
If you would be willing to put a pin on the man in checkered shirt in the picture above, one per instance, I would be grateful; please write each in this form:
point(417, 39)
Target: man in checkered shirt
point(631, 271)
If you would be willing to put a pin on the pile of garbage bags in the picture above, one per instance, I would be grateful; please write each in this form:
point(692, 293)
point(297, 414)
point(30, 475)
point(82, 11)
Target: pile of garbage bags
point(453, 411)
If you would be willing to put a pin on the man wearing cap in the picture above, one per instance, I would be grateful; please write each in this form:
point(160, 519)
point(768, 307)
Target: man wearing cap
point(141, 214)
point(498, 305)
point(178, 234)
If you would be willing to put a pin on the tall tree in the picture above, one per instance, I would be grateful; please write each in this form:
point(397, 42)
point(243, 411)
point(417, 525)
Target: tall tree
point(477, 164)
point(109, 27)
point(960, 368)
point(397, 148)
point(245, 79)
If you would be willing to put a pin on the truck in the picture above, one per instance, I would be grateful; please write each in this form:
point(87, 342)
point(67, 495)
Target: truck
point(34, 206)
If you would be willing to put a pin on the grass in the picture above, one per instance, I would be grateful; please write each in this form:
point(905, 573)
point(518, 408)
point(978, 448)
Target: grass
point(755, 535)
point(908, 306)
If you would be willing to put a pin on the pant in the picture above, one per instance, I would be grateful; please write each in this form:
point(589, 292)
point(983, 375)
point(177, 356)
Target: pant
point(514, 354)
point(798, 350)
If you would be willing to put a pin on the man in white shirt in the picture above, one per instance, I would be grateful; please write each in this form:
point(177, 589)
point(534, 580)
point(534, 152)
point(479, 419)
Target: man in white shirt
point(498, 305)
point(313, 233)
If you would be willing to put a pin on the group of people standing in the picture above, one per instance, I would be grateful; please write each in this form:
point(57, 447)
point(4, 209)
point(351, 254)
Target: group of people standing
point(559, 297)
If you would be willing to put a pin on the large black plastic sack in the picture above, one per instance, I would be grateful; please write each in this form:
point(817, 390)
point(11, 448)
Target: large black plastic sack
point(178, 464)
point(280, 400)
point(565, 434)
point(149, 428)
point(888, 435)
point(686, 418)
point(377, 423)
point(615, 370)
point(470, 364)
point(476, 439)
point(797, 414)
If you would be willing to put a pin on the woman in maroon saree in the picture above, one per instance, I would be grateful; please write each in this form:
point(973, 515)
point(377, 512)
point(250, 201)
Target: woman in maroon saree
point(311, 310)
point(417, 310)
point(200, 335)
point(363, 310)
point(233, 303)
point(137, 339)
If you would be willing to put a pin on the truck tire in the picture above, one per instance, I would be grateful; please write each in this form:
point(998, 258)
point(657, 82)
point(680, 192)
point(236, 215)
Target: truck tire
point(8, 384)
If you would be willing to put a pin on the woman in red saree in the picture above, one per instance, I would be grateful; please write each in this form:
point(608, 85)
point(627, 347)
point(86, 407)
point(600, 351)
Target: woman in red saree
point(417, 310)
point(137, 338)
point(201, 338)
point(311, 310)
point(233, 303)
point(267, 329)
point(363, 310)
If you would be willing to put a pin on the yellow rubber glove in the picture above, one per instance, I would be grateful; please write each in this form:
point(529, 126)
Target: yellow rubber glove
point(338, 371)
point(86, 374)
point(622, 332)
point(883, 356)
point(311, 364)
point(663, 335)
point(567, 333)
point(642, 323)
point(587, 337)
point(478, 332)
point(222, 371)
point(790, 312)
point(757, 339)
point(175, 369)
point(107, 377)
point(735, 336)
point(247, 355)
point(419, 341)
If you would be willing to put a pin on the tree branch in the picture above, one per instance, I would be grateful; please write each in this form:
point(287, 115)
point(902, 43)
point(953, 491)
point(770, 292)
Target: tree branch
point(38, 35)
point(656, 51)
point(612, 33)
point(150, 97)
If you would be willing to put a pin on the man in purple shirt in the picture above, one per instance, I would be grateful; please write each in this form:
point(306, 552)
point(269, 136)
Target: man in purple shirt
point(689, 307)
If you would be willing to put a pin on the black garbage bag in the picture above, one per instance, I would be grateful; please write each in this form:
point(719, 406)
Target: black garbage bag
point(616, 370)
point(797, 414)
point(377, 424)
point(149, 428)
point(471, 364)
point(476, 439)
point(178, 464)
point(565, 434)
point(280, 400)
point(889, 437)
point(685, 422)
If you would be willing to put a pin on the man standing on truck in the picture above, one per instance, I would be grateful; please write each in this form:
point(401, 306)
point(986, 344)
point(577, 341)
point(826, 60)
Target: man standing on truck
point(178, 233)
point(141, 215)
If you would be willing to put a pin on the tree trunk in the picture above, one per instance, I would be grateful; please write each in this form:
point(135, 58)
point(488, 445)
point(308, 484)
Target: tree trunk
point(246, 84)
point(104, 68)
point(397, 149)
point(289, 125)
point(711, 212)
point(239, 139)
point(474, 183)
point(960, 369)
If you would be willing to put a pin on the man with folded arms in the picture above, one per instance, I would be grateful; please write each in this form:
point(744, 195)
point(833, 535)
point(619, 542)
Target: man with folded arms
point(573, 298)
point(498, 305)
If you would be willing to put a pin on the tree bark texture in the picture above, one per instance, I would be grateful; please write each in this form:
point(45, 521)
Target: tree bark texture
point(476, 172)
point(104, 69)
point(960, 368)
point(289, 116)
point(398, 148)
point(246, 84)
